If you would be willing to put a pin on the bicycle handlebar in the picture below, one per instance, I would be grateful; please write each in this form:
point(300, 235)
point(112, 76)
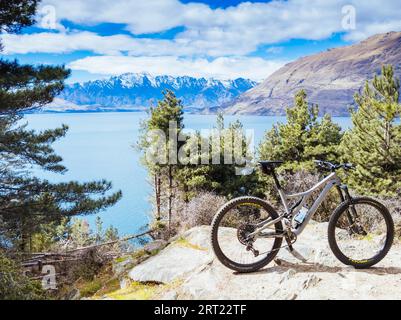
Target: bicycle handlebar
point(333, 167)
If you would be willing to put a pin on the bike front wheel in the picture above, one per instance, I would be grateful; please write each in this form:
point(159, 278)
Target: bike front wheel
point(231, 228)
point(361, 232)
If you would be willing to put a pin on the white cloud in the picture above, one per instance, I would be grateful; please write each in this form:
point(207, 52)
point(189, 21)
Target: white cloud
point(47, 42)
point(50, 42)
point(221, 32)
point(219, 68)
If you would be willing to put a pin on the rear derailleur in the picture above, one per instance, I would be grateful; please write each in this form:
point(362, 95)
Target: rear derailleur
point(243, 233)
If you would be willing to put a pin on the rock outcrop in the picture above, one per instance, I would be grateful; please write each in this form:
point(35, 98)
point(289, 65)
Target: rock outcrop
point(330, 78)
point(187, 269)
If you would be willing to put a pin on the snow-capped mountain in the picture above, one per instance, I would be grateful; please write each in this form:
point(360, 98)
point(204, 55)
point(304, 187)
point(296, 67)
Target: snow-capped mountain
point(139, 91)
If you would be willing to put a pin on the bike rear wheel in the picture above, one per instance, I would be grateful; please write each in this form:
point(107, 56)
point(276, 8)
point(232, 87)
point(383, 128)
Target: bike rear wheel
point(361, 233)
point(231, 227)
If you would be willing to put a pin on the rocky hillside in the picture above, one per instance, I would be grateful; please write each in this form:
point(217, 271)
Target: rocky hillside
point(139, 91)
point(187, 269)
point(330, 78)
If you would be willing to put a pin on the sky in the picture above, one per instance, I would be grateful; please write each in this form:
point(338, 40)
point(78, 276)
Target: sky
point(221, 39)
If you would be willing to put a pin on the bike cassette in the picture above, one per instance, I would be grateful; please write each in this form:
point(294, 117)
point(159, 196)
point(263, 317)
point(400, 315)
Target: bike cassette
point(243, 233)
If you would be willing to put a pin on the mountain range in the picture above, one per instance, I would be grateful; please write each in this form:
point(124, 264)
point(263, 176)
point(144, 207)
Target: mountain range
point(330, 78)
point(136, 92)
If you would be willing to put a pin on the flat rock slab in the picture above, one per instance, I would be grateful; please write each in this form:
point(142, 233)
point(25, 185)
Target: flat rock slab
point(180, 258)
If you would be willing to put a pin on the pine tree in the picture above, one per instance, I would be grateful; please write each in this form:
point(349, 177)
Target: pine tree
point(168, 111)
point(27, 203)
point(302, 138)
point(374, 142)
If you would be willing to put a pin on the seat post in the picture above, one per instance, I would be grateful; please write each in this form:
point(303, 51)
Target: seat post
point(268, 167)
point(273, 173)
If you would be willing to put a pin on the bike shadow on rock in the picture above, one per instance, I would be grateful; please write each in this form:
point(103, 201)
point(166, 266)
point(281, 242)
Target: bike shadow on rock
point(283, 266)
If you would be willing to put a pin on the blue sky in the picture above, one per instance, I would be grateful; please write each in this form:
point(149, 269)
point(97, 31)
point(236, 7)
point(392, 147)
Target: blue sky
point(222, 39)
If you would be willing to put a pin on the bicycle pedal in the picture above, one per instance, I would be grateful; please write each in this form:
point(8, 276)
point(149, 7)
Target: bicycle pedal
point(296, 254)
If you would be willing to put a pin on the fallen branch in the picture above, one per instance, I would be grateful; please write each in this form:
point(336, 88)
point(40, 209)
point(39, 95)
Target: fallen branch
point(111, 242)
point(34, 257)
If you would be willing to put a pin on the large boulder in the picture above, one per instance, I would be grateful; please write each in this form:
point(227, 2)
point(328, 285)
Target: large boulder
point(188, 269)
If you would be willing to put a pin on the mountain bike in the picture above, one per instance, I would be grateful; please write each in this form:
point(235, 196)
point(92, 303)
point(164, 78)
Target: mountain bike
point(248, 232)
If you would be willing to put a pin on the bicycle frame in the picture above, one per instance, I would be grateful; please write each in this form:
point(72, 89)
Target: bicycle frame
point(327, 184)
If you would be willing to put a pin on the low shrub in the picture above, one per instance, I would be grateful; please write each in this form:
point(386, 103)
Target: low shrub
point(186, 215)
point(200, 210)
point(14, 285)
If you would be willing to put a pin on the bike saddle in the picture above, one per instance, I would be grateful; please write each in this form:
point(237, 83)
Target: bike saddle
point(267, 166)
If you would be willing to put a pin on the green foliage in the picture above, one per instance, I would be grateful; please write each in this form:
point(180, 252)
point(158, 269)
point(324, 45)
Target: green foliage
point(37, 85)
point(303, 138)
point(99, 229)
point(14, 285)
point(223, 178)
point(36, 203)
point(74, 232)
point(374, 142)
point(168, 109)
point(49, 235)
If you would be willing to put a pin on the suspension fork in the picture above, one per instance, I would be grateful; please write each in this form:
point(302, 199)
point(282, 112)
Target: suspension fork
point(345, 195)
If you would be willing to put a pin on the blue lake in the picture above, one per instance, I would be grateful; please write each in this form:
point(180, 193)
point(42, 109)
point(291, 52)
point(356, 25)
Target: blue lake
point(101, 146)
